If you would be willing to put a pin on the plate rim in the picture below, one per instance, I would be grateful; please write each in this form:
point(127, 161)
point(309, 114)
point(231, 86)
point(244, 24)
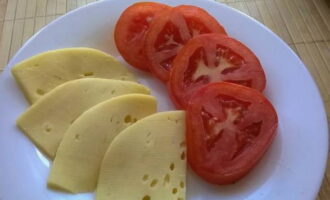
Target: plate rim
point(292, 53)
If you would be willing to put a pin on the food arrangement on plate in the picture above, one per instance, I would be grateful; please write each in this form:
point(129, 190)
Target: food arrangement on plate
point(102, 130)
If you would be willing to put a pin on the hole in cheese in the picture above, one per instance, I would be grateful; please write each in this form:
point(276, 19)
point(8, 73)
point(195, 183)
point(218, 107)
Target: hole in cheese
point(48, 128)
point(77, 137)
point(167, 179)
point(172, 166)
point(147, 197)
point(183, 144)
point(40, 91)
point(182, 184)
point(153, 183)
point(128, 119)
point(148, 139)
point(145, 177)
point(183, 155)
point(174, 190)
point(88, 73)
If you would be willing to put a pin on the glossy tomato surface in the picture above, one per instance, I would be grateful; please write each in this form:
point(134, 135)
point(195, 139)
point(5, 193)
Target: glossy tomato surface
point(229, 128)
point(172, 29)
point(130, 31)
point(213, 58)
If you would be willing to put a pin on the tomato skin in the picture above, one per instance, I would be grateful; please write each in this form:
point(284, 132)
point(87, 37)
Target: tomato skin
point(179, 89)
point(130, 31)
point(217, 164)
point(180, 23)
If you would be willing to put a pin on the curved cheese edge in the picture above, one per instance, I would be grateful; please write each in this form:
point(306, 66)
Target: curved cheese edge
point(41, 73)
point(46, 121)
point(78, 158)
point(146, 161)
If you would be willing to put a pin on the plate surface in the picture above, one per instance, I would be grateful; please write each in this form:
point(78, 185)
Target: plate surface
point(292, 168)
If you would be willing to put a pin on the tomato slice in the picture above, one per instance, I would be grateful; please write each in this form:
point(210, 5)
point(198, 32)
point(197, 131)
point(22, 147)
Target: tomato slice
point(229, 128)
point(213, 58)
point(170, 30)
point(130, 31)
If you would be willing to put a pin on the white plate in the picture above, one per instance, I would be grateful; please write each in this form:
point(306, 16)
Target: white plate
point(293, 167)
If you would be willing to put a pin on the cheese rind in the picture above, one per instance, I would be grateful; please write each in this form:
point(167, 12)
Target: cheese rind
point(46, 121)
point(43, 72)
point(146, 161)
point(78, 158)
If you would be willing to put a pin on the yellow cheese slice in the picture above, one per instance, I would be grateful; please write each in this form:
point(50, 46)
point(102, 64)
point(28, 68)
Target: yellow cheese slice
point(78, 158)
point(146, 161)
point(43, 72)
point(46, 121)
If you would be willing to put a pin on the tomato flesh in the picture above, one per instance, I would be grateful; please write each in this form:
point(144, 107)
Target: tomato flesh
point(130, 31)
point(213, 58)
point(229, 128)
point(169, 32)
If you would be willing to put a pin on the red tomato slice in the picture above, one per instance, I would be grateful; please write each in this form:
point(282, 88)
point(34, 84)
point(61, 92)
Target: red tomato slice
point(229, 128)
point(213, 58)
point(130, 31)
point(170, 31)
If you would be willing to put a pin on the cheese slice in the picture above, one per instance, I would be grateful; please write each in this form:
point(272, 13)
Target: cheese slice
point(78, 158)
point(146, 161)
point(46, 121)
point(43, 72)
